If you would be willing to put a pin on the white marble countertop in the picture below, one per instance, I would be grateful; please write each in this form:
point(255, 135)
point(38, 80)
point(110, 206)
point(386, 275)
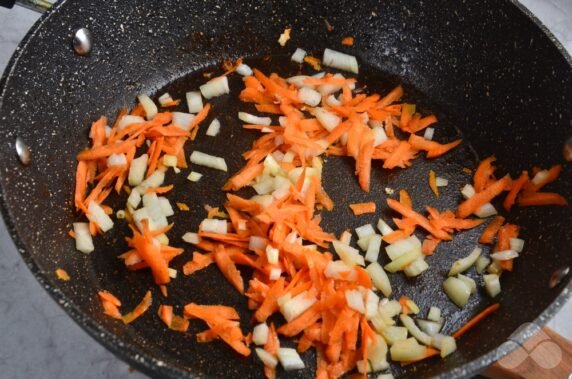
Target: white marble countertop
point(38, 340)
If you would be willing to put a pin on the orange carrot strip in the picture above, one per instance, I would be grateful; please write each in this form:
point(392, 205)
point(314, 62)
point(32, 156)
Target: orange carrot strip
point(139, 309)
point(475, 320)
point(419, 219)
point(515, 189)
point(106, 150)
point(429, 245)
point(553, 174)
point(150, 251)
point(296, 326)
point(433, 182)
point(484, 174)
point(362, 208)
point(491, 230)
point(198, 262)
point(228, 268)
point(479, 199)
point(529, 199)
point(348, 41)
point(160, 190)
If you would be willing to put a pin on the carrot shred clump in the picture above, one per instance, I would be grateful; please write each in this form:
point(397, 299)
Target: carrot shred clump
point(475, 320)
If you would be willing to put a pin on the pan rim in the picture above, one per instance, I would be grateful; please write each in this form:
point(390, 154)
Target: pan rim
point(155, 367)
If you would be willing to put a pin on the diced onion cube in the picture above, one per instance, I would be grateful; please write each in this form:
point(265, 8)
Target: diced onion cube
point(407, 350)
point(327, 119)
point(170, 160)
point(207, 160)
point(137, 170)
point(429, 327)
point(540, 177)
point(448, 346)
point(148, 106)
point(517, 244)
point(379, 278)
point(244, 70)
point(373, 248)
point(457, 291)
point(354, 300)
point(134, 199)
point(289, 359)
point(414, 330)
point(116, 160)
point(468, 191)
point(183, 120)
point(275, 273)
point(190, 237)
point(504, 255)
point(98, 215)
point(252, 119)
point(297, 305)
point(492, 284)
point(486, 210)
point(298, 55)
point(401, 247)
point(416, 267)
point(348, 254)
point(441, 182)
point(257, 243)
point(464, 264)
point(215, 87)
point(383, 228)
point(481, 264)
point(434, 314)
point(339, 270)
point(214, 128)
point(166, 207)
point(260, 334)
point(172, 273)
point(165, 99)
point(309, 96)
point(379, 135)
point(428, 135)
point(340, 61)
point(213, 225)
point(128, 120)
point(266, 358)
point(469, 282)
point(365, 231)
point(83, 240)
point(194, 176)
point(272, 254)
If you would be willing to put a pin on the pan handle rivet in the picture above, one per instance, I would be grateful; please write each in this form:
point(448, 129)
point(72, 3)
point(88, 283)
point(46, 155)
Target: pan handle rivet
point(23, 152)
point(558, 275)
point(82, 41)
point(567, 150)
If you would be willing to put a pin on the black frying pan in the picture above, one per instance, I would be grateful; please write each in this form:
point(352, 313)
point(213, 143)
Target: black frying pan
point(486, 69)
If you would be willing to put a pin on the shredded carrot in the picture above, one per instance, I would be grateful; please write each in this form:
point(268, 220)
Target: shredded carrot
point(314, 62)
point(62, 274)
point(491, 230)
point(182, 207)
point(551, 176)
point(362, 208)
point(515, 189)
point(173, 103)
point(160, 190)
point(433, 182)
point(475, 320)
point(172, 321)
point(484, 174)
point(139, 309)
point(481, 198)
point(527, 199)
point(348, 41)
point(429, 245)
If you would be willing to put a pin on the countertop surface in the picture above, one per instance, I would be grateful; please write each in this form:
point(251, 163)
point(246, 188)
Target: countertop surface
point(38, 340)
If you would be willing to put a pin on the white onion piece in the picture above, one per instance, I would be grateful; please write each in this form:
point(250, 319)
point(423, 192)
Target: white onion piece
point(416, 267)
point(207, 160)
point(128, 120)
point(289, 359)
point(340, 270)
point(379, 278)
point(143, 214)
point(116, 160)
point(327, 119)
point(390, 308)
point(464, 264)
point(165, 99)
point(407, 350)
point(215, 87)
point(213, 225)
point(98, 215)
point(481, 264)
point(470, 282)
point(333, 101)
point(394, 334)
point(348, 254)
point(517, 244)
point(257, 243)
point(194, 176)
point(297, 305)
point(172, 271)
point(468, 191)
point(377, 353)
point(486, 210)
point(134, 199)
point(183, 120)
point(148, 106)
point(264, 200)
point(260, 334)
point(379, 136)
point(397, 249)
point(385, 376)
point(401, 262)
point(363, 243)
point(309, 96)
point(457, 291)
point(540, 177)
point(137, 170)
point(272, 254)
point(448, 346)
point(428, 135)
point(371, 304)
point(434, 314)
point(298, 55)
point(169, 160)
point(252, 119)
point(194, 102)
point(441, 182)
point(192, 238)
point(83, 240)
point(429, 327)
point(383, 228)
point(504, 255)
point(266, 358)
point(244, 70)
point(492, 284)
point(166, 207)
point(271, 166)
point(340, 61)
point(319, 75)
point(373, 248)
point(214, 128)
point(494, 268)
point(107, 131)
point(414, 330)
point(299, 81)
point(151, 202)
point(365, 231)
point(155, 180)
point(288, 157)
point(354, 299)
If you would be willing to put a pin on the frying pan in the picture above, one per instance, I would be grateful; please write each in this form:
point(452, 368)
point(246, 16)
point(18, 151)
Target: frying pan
point(488, 72)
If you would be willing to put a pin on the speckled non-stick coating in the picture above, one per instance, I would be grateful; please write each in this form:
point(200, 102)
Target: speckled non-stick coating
point(489, 73)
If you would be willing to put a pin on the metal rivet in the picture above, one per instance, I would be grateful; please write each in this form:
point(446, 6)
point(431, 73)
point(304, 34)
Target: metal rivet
point(82, 41)
point(558, 276)
point(23, 152)
point(567, 150)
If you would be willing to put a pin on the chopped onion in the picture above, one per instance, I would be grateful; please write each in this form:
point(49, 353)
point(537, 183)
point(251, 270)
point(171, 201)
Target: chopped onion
point(464, 264)
point(540, 177)
point(252, 119)
point(194, 101)
point(213, 225)
point(390, 308)
point(140, 215)
point(169, 160)
point(340, 61)
point(172, 271)
point(481, 264)
point(98, 215)
point(155, 180)
point(266, 358)
point(416, 267)
point(192, 238)
point(128, 120)
point(275, 273)
point(434, 314)
point(429, 327)
point(492, 284)
point(333, 101)
point(401, 262)
point(379, 135)
point(260, 334)
point(207, 160)
point(288, 157)
point(363, 243)
point(116, 160)
point(385, 376)
point(83, 240)
point(214, 128)
point(120, 214)
point(394, 334)
point(377, 353)
point(397, 249)
point(194, 176)
point(428, 135)
point(373, 248)
point(468, 191)
point(319, 75)
point(354, 299)
point(340, 270)
point(470, 282)
point(151, 202)
point(183, 120)
point(448, 346)
point(486, 210)
point(457, 291)
point(365, 231)
point(379, 278)
point(348, 254)
point(494, 268)
point(327, 119)
point(257, 243)
point(148, 106)
point(309, 96)
point(441, 182)
point(215, 87)
point(244, 70)
point(284, 37)
point(383, 228)
point(298, 55)
point(289, 359)
point(517, 244)
point(504, 255)
point(272, 254)
point(297, 305)
point(165, 99)
point(166, 207)
point(299, 81)
point(371, 304)
point(272, 166)
point(414, 330)
point(407, 350)
point(137, 170)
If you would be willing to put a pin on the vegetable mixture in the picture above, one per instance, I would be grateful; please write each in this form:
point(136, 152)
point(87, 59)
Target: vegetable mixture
point(332, 295)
